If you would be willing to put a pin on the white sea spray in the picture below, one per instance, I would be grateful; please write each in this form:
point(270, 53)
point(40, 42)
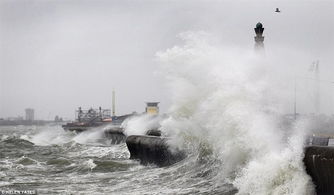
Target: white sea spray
point(231, 99)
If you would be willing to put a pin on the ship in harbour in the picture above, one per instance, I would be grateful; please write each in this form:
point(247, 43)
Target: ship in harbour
point(87, 119)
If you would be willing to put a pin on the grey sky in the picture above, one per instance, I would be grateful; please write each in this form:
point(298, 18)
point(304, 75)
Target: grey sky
point(56, 55)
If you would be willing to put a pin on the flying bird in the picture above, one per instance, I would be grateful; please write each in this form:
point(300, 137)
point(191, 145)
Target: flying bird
point(277, 10)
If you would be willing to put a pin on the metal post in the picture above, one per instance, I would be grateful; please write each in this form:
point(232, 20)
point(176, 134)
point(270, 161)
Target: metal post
point(317, 87)
point(295, 100)
point(113, 103)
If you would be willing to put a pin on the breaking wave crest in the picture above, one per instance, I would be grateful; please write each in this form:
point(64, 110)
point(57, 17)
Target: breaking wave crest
point(228, 111)
point(57, 136)
point(15, 142)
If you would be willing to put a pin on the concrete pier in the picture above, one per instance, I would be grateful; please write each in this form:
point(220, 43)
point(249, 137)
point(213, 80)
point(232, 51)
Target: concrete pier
point(319, 163)
point(318, 159)
point(115, 134)
point(154, 132)
point(152, 149)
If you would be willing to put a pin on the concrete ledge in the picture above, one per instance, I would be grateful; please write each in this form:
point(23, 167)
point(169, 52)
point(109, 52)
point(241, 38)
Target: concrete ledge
point(319, 162)
point(152, 149)
point(115, 134)
point(154, 132)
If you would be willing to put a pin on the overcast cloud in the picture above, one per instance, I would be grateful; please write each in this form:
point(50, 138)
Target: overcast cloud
point(56, 55)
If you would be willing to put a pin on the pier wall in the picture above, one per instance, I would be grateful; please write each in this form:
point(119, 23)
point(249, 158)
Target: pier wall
point(152, 149)
point(319, 163)
point(115, 134)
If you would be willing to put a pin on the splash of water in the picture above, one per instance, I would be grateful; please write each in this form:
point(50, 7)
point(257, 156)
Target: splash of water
point(139, 125)
point(226, 99)
point(90, 136)
point(90, 164)
point(49, 136)
point(57, 136)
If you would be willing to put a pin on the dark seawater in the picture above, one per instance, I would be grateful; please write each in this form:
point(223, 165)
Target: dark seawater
point(52, 161)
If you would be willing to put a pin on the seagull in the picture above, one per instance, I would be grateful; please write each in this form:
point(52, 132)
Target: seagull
point(277, 10)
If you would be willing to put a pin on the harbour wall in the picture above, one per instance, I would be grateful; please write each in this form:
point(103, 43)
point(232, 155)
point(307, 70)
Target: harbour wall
point(319, 163)
point(153, 150)
point(115, 134)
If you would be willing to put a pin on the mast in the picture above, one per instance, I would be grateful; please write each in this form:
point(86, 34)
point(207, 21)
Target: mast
point(295, 101)
point(113, 103)
point(317, 87)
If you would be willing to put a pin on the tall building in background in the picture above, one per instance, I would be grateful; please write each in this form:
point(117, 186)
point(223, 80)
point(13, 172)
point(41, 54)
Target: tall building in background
point(259, 39)
point(30, 114)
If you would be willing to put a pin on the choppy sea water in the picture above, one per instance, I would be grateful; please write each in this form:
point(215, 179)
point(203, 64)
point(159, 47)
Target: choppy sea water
point(53, 161)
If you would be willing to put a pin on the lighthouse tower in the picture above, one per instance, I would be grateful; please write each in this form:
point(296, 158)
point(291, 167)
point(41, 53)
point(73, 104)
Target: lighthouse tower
point(259, 46)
